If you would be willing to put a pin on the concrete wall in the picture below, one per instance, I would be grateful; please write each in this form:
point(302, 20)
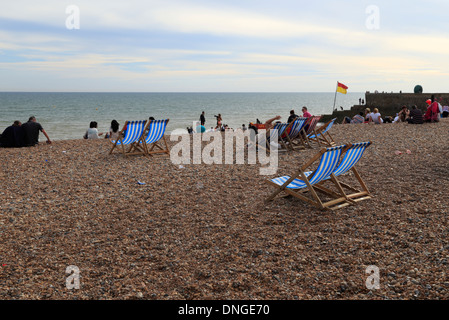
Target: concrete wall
point(388, 104)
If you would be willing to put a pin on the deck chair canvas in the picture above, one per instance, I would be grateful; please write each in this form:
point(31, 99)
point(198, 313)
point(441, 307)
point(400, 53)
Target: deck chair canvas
point(352, 154)
point(295, 129)
point(307, 130)
point(273, 135)
point(154, 134)
point(303, 182)
point(321, 136)
point(130, 138)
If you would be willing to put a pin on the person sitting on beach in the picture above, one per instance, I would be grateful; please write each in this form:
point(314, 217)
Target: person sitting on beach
point(375, 117)
point(92, 133)
point(445, 112)
point(31, 131)
point(415, 116)
point(292, 116)
point(113, 131)
point(367, 115)
point(305, 113)
point(13, 136)
point(397, 119)
point(403, 114)
point(358, 118)
point(432, 113)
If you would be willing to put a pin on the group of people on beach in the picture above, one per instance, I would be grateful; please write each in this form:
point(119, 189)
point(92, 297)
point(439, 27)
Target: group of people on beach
point(414, 115)
point(112, 134)
point(267, 124)
point(92, 133)
point(27, 134)
point(20, 135)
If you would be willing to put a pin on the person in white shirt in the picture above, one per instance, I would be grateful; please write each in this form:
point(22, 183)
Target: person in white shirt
point(92, 132)
point(113, 131)
point(375, 117)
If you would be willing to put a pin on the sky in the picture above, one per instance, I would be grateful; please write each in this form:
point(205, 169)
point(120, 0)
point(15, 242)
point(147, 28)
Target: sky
point(223, 46)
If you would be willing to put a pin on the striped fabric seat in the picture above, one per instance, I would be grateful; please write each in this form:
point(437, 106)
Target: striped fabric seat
point(307, 130)
point(156, 131)
point(133, 133)
point(322, 135)
point(280, 127)
point(326, 129)
point(130, 136)
point(295, 184)
point(297, 126)
point(312, 124)
point(351, 157)
point(328, 162)
point(273, 135)
point(329, 168)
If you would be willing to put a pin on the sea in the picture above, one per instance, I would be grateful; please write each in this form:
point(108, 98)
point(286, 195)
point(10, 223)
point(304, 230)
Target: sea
point(66, 115)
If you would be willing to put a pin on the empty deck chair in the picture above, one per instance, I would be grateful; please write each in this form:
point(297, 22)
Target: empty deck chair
point(321, 136)
point(154, 135)
point(304, 181)
point(129, 138)
point(351, 157)
point(307, 130)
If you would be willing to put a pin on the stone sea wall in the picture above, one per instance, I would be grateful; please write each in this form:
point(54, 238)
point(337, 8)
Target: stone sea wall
point(388, 104)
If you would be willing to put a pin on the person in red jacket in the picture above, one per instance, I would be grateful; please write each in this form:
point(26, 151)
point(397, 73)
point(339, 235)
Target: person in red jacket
point(433, 111)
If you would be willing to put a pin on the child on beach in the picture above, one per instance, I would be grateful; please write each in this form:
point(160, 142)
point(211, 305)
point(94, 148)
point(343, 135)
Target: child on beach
point(113, 131)
point(92, 132)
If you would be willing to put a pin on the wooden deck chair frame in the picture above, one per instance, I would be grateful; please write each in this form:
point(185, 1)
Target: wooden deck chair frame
point(283, 140)
point(352, 156)
point(154, 134)
point(296, 127)
point(321, 136)
point(328, 159)
point(130, 138)
point(281, 127)
point(303, 136)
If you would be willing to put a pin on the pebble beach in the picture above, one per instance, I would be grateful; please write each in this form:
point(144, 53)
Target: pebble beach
point(145, 228)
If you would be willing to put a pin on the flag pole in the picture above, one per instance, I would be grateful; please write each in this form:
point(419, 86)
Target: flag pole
point(335, 99)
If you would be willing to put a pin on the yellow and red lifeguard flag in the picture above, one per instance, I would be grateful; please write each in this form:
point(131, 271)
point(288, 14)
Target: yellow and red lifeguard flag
point(342, 88)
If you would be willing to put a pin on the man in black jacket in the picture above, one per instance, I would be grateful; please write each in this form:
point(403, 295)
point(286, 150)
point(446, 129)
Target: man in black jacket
point(31, 130)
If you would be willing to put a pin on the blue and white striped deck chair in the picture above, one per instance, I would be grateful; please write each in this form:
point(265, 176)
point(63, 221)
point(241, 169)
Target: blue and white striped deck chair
point(156, 131)
point(322, 135)
point(272, 136)
point(297, 126)
point(130, 135)
point(303, 181)
point(351, 157)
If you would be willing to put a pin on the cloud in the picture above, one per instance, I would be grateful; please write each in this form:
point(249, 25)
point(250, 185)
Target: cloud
point(229, 46)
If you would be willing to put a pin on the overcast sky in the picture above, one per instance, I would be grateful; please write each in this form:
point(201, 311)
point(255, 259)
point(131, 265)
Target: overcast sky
point(224, 46)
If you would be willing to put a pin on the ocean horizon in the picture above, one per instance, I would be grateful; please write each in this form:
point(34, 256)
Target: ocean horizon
point(66, 115)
